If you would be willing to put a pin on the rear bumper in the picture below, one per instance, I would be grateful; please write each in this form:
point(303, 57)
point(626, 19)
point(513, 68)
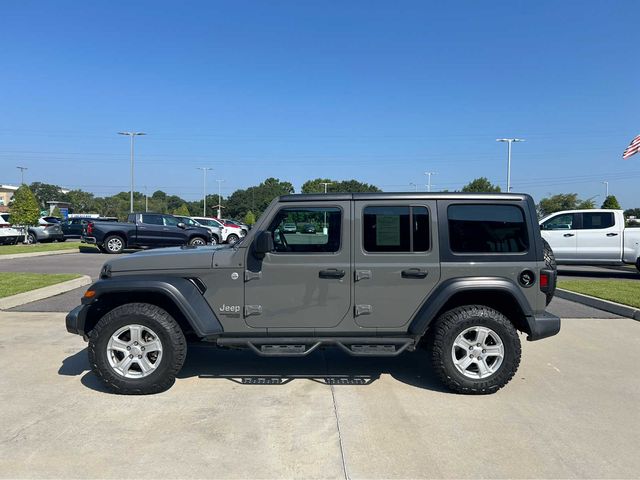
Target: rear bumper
point(91, 240)
point(542, 326)
point(75, 320)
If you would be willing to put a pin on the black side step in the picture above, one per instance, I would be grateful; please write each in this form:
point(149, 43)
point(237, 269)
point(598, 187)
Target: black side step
point(301, 346)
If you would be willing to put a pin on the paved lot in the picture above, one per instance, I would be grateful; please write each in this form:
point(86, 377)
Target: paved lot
point(571, 412)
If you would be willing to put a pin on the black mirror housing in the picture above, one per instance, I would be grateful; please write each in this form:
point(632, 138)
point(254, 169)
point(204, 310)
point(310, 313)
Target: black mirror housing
point(263, 243)
point(182, 225)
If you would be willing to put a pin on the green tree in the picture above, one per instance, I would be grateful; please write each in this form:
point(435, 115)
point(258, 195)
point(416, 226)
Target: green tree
point(632, 212)
point(481, 185)
point(249, 218)
point(337, 186)
point(255, 198)
point(611, 202)
point(563, 201)
point(80, 201)
point(24, 208)
point(183, 211)
point(46, 192)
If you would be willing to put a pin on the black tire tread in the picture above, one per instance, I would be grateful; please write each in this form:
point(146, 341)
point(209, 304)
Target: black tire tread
point(454, 319)
point(178, 341)
point(550, 263)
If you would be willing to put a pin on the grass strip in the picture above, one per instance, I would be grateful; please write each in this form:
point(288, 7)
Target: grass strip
point(12, 283)
point(626, 292)
point(38, 247)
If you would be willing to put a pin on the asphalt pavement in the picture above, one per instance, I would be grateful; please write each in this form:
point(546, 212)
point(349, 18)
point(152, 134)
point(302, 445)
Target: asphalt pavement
point(570, 412)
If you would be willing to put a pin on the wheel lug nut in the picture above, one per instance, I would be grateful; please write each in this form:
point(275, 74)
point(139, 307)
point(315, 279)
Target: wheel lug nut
point(130, 356)
point(477, 344)
point(471, 356)
point(128, 348)
point(483, 351)
point(142, 348)
point(471, 347)
point(136, 343)
point(139, 356)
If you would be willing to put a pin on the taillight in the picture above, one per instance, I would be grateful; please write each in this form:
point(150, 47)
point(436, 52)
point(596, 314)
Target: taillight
point(89, 228)
point(544, 280)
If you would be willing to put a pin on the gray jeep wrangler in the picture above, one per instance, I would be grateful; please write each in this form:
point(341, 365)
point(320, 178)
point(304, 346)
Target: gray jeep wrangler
point(372, 274)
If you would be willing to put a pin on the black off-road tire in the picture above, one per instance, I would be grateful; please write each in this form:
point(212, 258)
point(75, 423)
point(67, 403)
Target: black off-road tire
point(232, 239)
point(174, 348)
point(198, 241)
point(112, 248)
point(550, 263)
point(449, 325)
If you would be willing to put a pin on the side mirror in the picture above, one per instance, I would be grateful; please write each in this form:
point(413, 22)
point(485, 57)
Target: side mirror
point(263, 243)
point(181, 225)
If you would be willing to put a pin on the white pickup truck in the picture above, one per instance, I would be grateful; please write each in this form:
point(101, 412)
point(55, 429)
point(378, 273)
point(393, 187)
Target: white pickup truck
point(591, 237)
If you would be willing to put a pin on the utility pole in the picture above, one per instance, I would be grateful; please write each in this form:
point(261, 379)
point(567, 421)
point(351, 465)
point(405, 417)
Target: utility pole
point(325, 229)
point(509, 141)
point(204, 189)
point(607, 187)
point(219, 199)
point(326, 184)
point(414, 185)
point(22, 169)
point(146, 199)
point(428, 174)
point(133, 135)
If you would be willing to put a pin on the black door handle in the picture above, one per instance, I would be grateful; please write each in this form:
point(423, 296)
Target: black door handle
point(331, 273)
point(611, 234)
point(414, 273)
point(569, 235)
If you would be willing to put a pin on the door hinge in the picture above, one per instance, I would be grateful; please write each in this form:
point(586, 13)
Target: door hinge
point(249, 275)
point(252, 310)
point(363, 275)
point(362, 310)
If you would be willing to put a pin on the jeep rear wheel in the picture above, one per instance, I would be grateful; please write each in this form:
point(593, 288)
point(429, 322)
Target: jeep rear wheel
point(137, 349)
point(550, 263)
point(474, 349)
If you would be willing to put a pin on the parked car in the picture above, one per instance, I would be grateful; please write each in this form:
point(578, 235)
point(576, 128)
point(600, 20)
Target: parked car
point(215, 231)
point(230, 233)
point(47, 230)
point(591, 237)
point(309, 228)
point(10, 235)
point(144, 230)
point(5, 220)
point(461, 280)
point(237, 223)
point(289, 228)
point(75, 227)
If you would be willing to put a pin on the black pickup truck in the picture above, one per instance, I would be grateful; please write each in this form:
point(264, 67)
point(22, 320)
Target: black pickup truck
point(143, 230)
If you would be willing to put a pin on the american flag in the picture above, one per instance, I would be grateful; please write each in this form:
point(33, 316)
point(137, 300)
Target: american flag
point(634, 147)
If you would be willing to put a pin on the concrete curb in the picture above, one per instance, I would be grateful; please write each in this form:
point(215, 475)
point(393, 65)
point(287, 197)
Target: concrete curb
point(38, 254)
point(44, 292)
point(606, 305)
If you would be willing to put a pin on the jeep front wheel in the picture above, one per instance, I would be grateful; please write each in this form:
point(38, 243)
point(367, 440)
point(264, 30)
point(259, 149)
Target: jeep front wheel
point(474, 349)
point(137, 349)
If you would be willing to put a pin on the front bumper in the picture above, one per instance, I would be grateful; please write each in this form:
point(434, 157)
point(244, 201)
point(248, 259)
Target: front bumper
point(543, 326)
point(75, 320)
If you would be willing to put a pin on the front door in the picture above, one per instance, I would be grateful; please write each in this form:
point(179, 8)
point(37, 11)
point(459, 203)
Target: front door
point(306, 282)
point(560, 232)
point(397, 261)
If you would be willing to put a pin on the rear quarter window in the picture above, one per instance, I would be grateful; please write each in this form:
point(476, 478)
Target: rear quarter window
point(487, 229)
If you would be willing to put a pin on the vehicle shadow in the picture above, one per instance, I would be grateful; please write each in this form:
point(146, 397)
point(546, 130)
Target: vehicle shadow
point(328, 367)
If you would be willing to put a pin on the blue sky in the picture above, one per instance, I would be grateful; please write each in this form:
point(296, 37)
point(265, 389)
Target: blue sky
point(377, 91)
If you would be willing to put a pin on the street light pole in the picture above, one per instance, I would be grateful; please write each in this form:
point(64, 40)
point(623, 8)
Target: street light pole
point(204, 189)
point(133, 135)
point(509, 141)
point(428, 174)
point(607, 187)
point(414, 185)
point(22, 169)
point(325, 230)
point(219, 199)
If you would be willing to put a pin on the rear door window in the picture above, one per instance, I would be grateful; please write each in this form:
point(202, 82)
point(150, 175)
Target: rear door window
point(395, 229)
point(597, 220)
point(152, 219)
point(487, 229)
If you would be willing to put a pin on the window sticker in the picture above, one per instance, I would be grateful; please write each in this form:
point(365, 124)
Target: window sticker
point(388, 230)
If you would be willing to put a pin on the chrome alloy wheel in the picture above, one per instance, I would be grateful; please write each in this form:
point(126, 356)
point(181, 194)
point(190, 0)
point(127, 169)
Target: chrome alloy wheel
point(115, 244)
point(477, 352)
point(198, 241)
point(134, 351)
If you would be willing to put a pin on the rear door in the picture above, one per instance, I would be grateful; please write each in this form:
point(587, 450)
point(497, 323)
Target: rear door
point(561, 233)
point(396, 258)
point(599, 239)
point(306, 282)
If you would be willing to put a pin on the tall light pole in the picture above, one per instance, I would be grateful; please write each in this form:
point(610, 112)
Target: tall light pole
point(22, 169)
point(204, 189)
point(428, 174)
point(509, 142)
point(219, 199)
point(325, 230)
point(133, 135)
point(326, 184)
point(607, 187)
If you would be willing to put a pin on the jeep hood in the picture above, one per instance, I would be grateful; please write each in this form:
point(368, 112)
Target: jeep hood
point(171, 258)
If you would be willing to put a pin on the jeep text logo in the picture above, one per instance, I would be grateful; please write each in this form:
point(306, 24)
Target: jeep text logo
point(229, 308)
